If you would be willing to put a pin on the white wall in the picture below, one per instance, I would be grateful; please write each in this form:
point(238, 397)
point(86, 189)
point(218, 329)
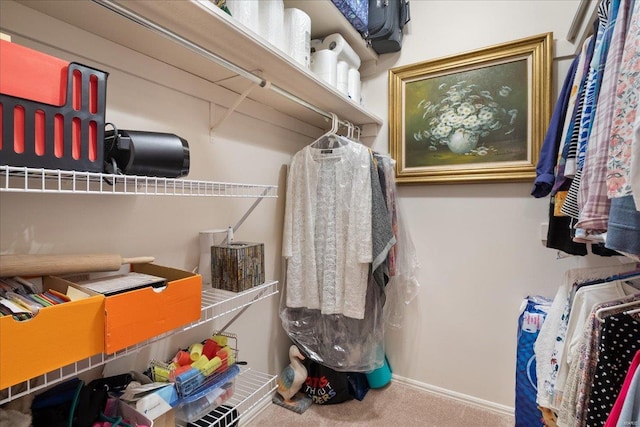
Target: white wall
point(144, 94)
point(478, 244)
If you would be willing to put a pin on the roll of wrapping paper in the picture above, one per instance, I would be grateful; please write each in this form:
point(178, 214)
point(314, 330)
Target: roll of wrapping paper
point(39, 265)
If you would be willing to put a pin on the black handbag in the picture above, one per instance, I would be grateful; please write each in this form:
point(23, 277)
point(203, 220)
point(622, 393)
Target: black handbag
point(387, 19)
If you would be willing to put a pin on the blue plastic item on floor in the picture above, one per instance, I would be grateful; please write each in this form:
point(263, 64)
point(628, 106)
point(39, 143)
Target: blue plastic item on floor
point(380, 377)
point(530, 322)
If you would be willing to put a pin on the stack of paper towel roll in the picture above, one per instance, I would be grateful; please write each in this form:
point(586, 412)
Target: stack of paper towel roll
point(287, 29)
point(335, 61)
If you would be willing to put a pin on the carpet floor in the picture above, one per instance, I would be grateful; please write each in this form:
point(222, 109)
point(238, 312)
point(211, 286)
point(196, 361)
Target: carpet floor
point(396, 405)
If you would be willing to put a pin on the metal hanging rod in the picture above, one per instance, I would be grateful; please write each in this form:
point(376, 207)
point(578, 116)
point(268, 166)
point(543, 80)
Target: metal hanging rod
point(207, 54)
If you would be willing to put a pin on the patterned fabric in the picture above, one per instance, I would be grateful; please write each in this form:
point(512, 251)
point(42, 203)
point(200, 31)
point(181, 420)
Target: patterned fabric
point(592, 199)
point(626, 105)
point(607, 11)
point(634, 177)
point(356, 12)
point(327, 229)
point(563, 176)
point(618, 344)
point(574, 403)
point(626, 392)
point(585, 298)
point(547, 344)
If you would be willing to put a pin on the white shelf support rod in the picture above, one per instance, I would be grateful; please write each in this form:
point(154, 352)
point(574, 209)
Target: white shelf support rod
point(231, 109)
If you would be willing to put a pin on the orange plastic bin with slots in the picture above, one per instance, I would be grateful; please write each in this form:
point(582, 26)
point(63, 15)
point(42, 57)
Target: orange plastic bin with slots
point(52, 111)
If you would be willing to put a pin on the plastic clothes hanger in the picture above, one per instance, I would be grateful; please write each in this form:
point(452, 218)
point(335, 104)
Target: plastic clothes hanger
point(603, 310)
point(330, 139)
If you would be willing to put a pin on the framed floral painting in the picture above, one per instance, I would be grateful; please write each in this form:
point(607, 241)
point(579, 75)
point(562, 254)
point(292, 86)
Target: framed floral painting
point(478, 116)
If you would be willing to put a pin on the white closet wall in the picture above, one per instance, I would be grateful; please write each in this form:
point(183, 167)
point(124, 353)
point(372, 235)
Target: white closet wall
point(478, 244)
point(145, 94)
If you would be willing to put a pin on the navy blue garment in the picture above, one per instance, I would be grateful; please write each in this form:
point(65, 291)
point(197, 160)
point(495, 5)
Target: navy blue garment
point(549, 152)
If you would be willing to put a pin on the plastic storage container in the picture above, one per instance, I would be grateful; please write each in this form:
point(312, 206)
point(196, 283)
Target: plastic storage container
point(52, 112)
point(199, 404)
point(192, 372)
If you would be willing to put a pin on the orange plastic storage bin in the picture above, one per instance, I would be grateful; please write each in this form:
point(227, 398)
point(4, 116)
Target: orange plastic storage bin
point(52, 111)
point(57, 336)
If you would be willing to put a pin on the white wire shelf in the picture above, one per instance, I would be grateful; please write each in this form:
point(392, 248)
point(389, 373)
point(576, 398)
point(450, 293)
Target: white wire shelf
point(251, 388)
point(215, 303)
point(36, 180)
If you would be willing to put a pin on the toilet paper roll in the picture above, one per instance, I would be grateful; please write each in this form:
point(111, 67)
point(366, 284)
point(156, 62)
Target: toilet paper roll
point(343, 77)
point(345, 52)
point(324, 64)
point(271, 22)
point(354, 85)
point(316, 45)
point(297, 35)
point(246, 12)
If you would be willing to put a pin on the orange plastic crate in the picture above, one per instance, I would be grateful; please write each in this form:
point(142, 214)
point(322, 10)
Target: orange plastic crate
point(52, 111)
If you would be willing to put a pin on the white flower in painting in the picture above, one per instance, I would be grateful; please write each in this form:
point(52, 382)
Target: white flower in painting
point(467, 107)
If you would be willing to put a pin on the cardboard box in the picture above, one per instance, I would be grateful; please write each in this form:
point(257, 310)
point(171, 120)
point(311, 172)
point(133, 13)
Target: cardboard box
point(237, 266)
point(128, 413)
point(57, 336)
point(154, 401)
point(134, 316)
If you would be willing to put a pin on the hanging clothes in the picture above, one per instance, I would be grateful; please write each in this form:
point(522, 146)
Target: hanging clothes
point(550, 340)
point(598, 163)
point(327, 229)
point(575, 400)
point(592, 199)
point(581, 348)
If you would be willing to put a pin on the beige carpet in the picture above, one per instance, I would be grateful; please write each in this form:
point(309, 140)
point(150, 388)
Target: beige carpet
point(396, 405)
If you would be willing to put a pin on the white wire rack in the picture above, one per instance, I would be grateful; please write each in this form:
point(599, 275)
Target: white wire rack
point(34, 180)
point(215, 303)
point(251, 388)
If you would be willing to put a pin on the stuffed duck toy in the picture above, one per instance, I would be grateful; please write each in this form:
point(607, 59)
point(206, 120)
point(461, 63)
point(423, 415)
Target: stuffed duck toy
point(293, 376)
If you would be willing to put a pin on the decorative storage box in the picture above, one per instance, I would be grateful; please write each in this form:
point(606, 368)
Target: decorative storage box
point(237, 266)
point(52, 112)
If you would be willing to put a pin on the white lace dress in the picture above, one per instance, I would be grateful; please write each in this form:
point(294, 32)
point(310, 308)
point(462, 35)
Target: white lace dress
point(327, 229)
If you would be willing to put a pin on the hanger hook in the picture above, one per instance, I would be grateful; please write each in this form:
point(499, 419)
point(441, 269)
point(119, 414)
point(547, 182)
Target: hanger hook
point(335, 123)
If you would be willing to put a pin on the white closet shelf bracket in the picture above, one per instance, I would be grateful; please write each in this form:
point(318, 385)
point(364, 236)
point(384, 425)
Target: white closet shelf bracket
point(207, 54)
point(235, 105)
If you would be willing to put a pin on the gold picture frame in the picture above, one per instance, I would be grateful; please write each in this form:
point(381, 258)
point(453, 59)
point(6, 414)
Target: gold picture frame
point(479, 116)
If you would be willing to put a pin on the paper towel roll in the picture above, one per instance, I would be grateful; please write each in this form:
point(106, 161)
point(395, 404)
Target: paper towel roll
point(316, 45)
point(246, 12)
point(297, 35)
point(345, 52)
point(354, 85)
point(343, 77)
point(271, 22)
point(324, 64)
